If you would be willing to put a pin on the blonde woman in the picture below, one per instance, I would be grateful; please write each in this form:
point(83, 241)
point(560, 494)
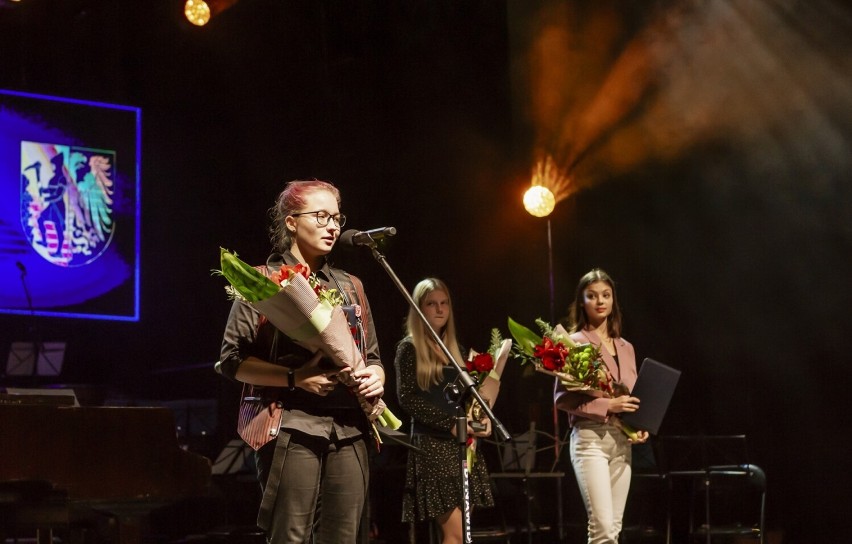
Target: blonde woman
point(433, 487)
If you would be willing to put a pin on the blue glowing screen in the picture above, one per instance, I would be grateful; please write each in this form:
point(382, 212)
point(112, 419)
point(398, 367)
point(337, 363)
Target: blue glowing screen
point(69, 207)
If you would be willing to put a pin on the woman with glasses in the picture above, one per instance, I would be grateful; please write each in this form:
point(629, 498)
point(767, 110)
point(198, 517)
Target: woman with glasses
point(315, 449)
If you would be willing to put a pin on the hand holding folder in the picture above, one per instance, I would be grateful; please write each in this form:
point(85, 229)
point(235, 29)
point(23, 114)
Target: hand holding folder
point(654, 389)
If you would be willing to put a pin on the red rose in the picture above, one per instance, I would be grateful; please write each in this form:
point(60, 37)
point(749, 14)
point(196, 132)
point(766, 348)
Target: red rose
point(483, 362)
point(469, 365)
point(299, 268)
point(552, 355)
point(288, 271)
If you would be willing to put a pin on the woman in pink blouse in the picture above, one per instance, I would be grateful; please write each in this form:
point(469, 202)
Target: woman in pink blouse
point(600, 451)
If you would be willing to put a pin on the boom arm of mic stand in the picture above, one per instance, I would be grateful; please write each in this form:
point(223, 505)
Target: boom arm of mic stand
point(465, 378)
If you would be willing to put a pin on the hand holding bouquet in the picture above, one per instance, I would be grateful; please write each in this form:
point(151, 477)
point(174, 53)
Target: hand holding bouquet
point(578, 367)
point(486, 368)
point(298, 305)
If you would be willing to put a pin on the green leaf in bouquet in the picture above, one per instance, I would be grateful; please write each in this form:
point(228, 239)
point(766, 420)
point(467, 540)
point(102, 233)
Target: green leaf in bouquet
point(496, 341)
point(525, 339)
point(545, 327)
point(388, 419)
point(246, 281)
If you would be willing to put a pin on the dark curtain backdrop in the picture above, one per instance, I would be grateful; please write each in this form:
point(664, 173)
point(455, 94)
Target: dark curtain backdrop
point(707, 146)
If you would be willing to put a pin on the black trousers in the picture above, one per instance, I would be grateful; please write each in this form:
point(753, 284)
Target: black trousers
point(315, 489)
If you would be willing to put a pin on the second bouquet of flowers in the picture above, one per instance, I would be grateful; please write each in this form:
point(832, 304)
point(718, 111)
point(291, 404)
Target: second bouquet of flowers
point(486, 368)
point(579, 367)
point(298, 305)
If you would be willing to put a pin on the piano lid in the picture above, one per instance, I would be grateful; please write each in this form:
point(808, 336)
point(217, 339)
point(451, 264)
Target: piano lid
point(100, 453)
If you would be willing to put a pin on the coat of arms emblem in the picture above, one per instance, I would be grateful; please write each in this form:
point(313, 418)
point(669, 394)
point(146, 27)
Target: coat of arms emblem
point(67, 201)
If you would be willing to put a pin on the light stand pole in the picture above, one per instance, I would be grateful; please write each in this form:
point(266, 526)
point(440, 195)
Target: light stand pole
point(550, 272)
point(539, 201)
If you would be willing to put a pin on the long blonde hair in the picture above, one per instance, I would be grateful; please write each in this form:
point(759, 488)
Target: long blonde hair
point(430, 359)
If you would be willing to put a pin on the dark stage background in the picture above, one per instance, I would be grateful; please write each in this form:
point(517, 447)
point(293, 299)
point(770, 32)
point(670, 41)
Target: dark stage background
point(707, 144)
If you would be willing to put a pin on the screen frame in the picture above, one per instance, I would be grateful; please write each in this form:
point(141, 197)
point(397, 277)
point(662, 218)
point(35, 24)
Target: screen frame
point(135, 314)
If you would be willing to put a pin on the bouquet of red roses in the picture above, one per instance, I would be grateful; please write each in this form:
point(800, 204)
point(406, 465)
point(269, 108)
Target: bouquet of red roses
point(578, 366)
point(298, 305)
point(486, 368)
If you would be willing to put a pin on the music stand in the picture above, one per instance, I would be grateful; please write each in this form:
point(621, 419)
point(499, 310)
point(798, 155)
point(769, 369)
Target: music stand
point(234, 459)
point(518, 463)
point(518, 455)
point(194, 417)
point(22, 357)
point(397, 438)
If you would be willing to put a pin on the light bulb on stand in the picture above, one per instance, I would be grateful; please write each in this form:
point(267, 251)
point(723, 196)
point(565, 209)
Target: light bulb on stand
point(539, 201)
point(197, 12)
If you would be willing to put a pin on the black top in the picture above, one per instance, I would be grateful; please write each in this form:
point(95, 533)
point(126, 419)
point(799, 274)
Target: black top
point(433, 414)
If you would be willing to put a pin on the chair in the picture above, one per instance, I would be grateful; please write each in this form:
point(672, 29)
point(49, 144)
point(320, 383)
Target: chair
point(737, 494)
point(727, 493)
point(647, 515)
point(514, 483)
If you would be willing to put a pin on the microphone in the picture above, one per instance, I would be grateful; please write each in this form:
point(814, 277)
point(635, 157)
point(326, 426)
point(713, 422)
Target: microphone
point(21, 267)
point(368, 238)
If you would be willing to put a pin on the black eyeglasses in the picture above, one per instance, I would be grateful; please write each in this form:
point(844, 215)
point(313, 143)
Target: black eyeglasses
point(323, 217)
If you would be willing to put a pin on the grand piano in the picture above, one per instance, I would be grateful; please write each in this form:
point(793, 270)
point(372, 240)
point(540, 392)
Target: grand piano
point(63, 465)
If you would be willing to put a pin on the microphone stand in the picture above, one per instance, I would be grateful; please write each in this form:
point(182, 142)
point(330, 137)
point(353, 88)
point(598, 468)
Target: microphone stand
point(34, 332)
point(461, 389)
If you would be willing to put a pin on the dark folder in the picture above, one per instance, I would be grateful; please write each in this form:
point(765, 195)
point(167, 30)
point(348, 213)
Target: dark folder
point(654, 389)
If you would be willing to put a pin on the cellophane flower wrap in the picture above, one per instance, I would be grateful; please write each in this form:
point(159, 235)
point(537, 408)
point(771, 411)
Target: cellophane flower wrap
point(486, 368)
point(297, 304)
point(579, 367)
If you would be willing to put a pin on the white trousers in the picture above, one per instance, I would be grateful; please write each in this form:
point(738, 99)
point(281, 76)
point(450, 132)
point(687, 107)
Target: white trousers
point(601, 455)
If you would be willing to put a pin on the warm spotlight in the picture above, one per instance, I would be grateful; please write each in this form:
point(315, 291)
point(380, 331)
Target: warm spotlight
point(548, 174)
point(199, 12)
point(539, 201)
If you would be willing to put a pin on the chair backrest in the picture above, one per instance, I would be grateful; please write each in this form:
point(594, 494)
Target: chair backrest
point(728, 492)
point(689, 453)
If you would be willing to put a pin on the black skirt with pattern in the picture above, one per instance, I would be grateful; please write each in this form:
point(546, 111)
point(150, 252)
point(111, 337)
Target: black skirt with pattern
point(433, 484)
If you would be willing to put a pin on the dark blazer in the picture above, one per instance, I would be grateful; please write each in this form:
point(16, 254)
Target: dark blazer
point(247, 334)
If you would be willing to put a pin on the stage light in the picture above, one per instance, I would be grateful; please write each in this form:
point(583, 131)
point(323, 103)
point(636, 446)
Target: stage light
point(199, 12)
point(539, 201)
point(549, 186)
